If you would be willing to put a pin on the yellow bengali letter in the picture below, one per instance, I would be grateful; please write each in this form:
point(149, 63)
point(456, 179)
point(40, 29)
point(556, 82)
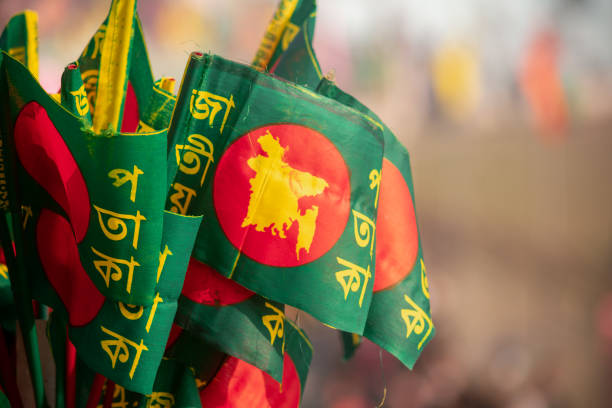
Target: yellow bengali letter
point(416, 321)
point(274, 322)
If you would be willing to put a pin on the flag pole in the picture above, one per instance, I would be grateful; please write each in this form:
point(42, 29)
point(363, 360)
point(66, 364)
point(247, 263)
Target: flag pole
point(25, 314)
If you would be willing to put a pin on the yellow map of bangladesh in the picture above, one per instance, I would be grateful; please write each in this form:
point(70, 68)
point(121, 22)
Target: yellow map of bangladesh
point(275, 191)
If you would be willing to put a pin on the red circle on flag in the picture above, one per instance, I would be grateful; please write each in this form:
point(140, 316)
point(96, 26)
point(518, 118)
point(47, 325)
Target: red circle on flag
point(282, 194)
point(397, 238)
point(206, 286)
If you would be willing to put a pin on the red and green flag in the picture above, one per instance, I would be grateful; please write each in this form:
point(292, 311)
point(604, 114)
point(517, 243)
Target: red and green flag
point(213, 308)
point(399, 318)
point(298, 62)
point(20, 39)
point(232, 319)
point(96, 240)
point(283, 178)
point(238, 384)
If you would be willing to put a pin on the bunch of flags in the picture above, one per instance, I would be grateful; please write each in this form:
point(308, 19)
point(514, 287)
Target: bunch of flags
point(162, 235)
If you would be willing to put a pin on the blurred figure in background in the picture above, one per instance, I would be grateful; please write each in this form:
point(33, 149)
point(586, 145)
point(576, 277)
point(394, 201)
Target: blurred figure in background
point(542, 86)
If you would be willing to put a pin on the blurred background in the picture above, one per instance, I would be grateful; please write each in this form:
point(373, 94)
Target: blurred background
point(506, 109)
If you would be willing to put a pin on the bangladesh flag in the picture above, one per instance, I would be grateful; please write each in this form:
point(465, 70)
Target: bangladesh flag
point(238, 384)
point(148, 104)
point(20, 39)
point(213, 308)
point(400, 277)
point(298, 62)
point(282, 176)
point(231, 318)
point(284, 26)
point(96, 240)
point(175, 386)
point(399, 319)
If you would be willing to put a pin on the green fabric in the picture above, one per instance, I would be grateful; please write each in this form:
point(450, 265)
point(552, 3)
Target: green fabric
point(73, 95)
point(175, 386)
point(275, 42)
point(192, 351)
point(155, 104)
point(14, 39)
point(56, 334)
point(257, 102)
point(97, 156)
point(298, 62)
point(4, 402)
point(399, 319)
point(299, 348)
point(156, 113)
point(239, 330)
point(148, 327)
point(350, 343)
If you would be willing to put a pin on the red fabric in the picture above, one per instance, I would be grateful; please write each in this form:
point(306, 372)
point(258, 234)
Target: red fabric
point(397, 239)
point(131, 115)
point(60, 259)
point(45, 156)
point(206, 286)
point(305, 153)
point(95, 392)
point(240, 385)
point(175, 333)
point(108, 394)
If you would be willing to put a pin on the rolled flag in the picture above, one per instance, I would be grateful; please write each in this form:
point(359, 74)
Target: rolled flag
point(147, 106)
point(97, 243)
point(20, 39)
point(282, 29)
point(18, 42)
point(72, 94)
point(298, 62)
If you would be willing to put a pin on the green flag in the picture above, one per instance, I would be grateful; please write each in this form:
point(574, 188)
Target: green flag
point(213, 308)
point(240, 385)
point(282, 29)
point(282, 176)
point(4, 402)
point(399, 319)
point(232, 319)
point(20, 39)
point(148, 106)
point(92, 215)
point(72, 94)
point(298, 62)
